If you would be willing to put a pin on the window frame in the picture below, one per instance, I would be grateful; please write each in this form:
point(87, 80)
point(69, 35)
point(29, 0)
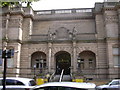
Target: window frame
point(118, 56)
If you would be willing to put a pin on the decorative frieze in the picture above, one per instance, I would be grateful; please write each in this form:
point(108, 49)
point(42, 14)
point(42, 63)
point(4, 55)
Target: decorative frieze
point(35, 49)
point(15, 22)
point(62, 48)
point(87, 48)
point(111, 19)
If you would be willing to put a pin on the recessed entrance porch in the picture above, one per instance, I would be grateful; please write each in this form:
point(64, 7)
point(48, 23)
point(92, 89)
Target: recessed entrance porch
point(63, 62)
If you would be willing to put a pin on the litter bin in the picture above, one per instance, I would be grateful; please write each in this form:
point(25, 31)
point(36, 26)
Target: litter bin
point(77, 80)
point(40, 81)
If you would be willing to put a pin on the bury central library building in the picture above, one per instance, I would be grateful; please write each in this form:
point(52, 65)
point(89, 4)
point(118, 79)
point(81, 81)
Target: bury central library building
point(82, 41)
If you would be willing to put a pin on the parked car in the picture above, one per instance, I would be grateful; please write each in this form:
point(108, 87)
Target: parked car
point(66, 86)
point(14, 83)
point(113, 85)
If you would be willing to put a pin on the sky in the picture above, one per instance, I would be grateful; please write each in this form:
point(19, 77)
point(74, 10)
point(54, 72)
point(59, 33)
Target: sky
point(63, 4)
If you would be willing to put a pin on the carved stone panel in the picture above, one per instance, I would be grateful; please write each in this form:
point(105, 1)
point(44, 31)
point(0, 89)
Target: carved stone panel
point(62, 33)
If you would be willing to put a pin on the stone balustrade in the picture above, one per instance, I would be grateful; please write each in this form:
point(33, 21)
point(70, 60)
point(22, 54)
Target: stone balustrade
point(63, 11)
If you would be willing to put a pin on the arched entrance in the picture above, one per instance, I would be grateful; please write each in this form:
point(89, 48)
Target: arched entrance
point(63, 61)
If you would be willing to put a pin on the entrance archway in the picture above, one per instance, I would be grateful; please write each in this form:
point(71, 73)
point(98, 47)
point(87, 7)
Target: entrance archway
point(63, 62)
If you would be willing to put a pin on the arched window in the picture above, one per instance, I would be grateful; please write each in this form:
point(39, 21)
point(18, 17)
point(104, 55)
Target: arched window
point(87, 60)
point(38, 60)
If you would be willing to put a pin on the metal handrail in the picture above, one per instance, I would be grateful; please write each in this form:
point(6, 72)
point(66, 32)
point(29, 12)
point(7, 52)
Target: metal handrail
point(61, 75)
point(52, 76)
point(71, 76)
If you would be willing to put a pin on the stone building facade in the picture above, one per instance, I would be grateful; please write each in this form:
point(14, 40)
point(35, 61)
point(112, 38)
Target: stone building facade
point(83, 42)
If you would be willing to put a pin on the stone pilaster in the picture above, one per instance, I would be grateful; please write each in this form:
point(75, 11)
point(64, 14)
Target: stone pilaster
point(49, 56)
point(119, 38)
point(111, 28)
point(74, 60)
point(17, 59)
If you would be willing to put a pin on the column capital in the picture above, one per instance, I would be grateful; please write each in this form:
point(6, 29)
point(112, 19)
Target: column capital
point(74, 44)
point(49, 44)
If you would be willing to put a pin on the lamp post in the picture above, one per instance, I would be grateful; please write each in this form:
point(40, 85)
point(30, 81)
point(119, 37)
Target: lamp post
point(5, 52)
point(78, 61)
point(34, 71)
point(4, 56)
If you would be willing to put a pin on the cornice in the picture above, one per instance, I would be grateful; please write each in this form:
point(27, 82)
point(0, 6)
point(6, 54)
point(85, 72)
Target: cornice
point(15, 41)
point(22, 13)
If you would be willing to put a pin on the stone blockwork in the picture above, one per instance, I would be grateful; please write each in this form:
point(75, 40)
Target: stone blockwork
point(86, 36)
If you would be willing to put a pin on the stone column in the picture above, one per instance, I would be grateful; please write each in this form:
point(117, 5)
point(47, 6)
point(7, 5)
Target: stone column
point(49, 56)
point(74, 61)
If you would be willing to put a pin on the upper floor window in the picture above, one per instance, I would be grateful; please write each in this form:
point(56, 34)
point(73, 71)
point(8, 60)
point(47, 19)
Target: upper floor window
point(116, 56)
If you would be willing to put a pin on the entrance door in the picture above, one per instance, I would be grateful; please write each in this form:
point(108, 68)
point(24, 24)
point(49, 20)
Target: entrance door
point(63, 61)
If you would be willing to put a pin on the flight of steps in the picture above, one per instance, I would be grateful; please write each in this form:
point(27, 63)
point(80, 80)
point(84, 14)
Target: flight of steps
point(66, 78)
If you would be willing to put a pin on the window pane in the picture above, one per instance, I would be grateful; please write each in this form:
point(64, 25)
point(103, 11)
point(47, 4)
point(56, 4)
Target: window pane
point(12, 52)
point(0, 52)
point(70, 88)
point(10, 82)
point(115, 51)
point(116, 60)
point(1, 82)
point(1, 61)
point(115, 83)
point(10, 62)
point(32, 83)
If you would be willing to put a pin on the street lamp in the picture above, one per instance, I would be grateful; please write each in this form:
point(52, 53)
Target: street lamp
point(78, 61)
point(34, 71)
point(4, 56)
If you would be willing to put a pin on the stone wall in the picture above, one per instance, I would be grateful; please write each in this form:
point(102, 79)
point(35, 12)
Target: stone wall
point(71, 30)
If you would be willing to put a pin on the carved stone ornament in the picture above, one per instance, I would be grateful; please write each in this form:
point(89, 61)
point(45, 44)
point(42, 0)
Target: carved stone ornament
point(111, 18)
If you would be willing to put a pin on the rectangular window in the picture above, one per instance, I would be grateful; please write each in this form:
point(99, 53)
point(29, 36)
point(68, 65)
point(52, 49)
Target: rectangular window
point(91, 63)
point(0, 52)
point(11, 59)
point(116, 57)
point(81, 63)
point(10, 62)
point(40, 63)
point(1, 57)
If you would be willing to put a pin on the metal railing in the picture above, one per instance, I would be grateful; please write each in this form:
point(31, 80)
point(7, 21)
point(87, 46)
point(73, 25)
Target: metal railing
point(52, 76)
point(61, 76)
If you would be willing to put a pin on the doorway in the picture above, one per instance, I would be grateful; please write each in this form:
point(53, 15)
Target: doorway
point(63, 62)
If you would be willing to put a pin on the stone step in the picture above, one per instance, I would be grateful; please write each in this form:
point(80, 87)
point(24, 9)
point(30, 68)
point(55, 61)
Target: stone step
point(64, 79)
